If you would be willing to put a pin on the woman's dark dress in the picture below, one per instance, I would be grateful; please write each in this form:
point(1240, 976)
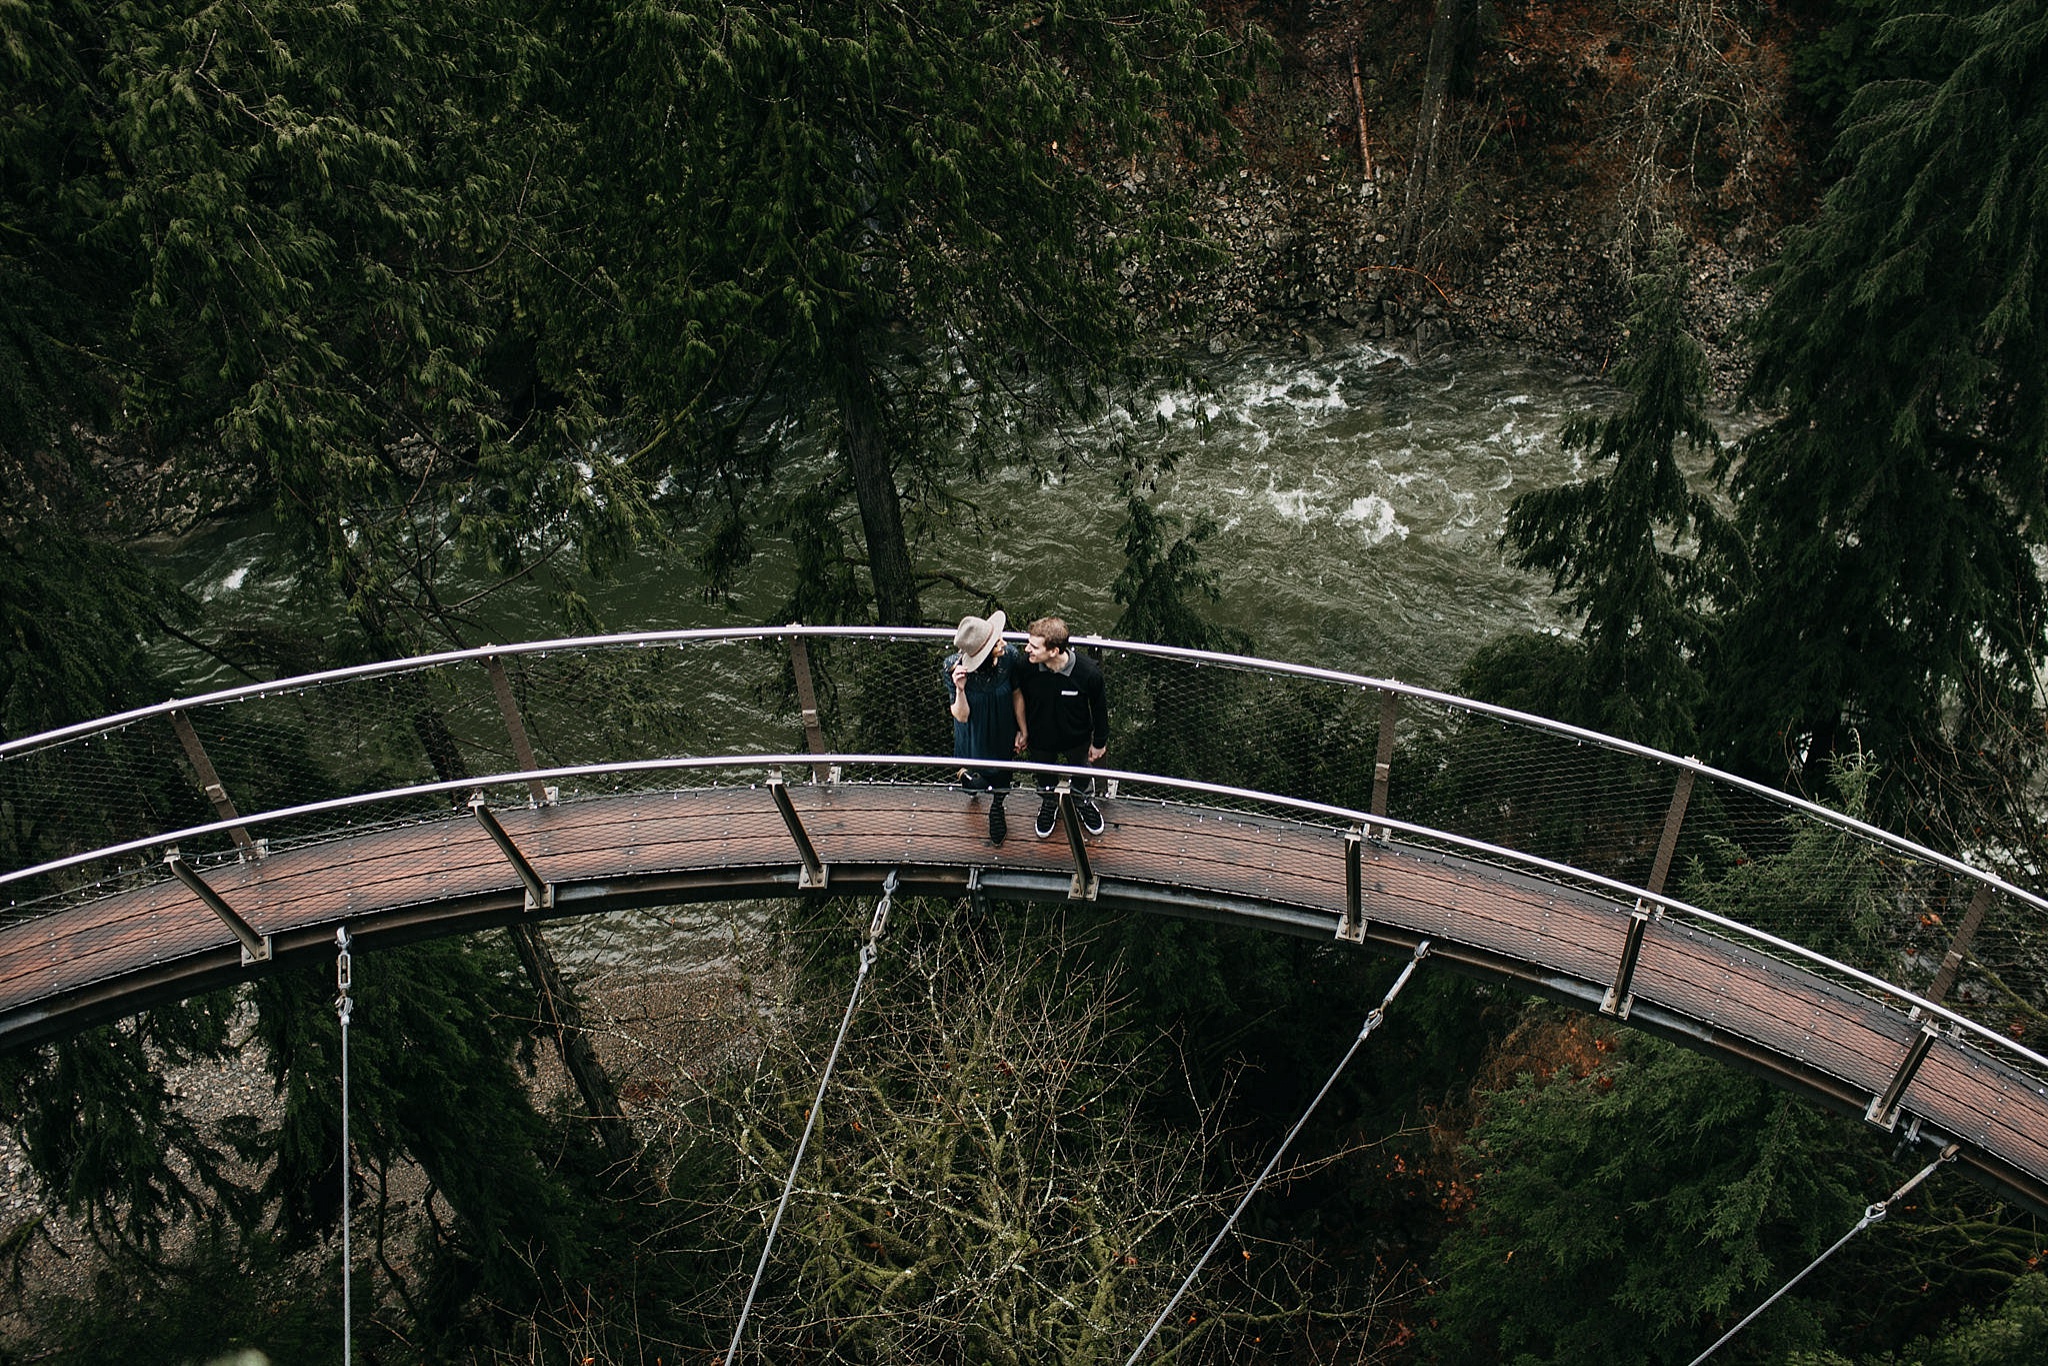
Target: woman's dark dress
point(990, 730)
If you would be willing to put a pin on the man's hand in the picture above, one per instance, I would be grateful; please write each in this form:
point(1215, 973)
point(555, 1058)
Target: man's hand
point(1023, 742)
point(1096, 752)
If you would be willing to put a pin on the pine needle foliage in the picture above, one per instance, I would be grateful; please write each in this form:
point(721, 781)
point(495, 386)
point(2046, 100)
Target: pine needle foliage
point(2013, 1334)
point(1622, 1214)
point(101, 1127)
point(895, 223)
point(1624, 544)
point(1894, 508)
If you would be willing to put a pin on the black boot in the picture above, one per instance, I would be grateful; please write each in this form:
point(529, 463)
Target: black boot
point(998, 823)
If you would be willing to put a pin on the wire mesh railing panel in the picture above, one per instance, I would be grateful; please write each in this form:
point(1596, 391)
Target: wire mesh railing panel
point(2002, 974)
point(1550, 795)
point(1827, 887)
point(94, 791)
point(654, 700)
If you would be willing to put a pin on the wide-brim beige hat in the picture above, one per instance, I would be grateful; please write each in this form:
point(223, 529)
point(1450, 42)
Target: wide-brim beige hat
point(977, 636)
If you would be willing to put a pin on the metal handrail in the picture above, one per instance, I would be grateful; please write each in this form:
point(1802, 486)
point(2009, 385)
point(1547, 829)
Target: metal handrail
point(709, 635)
point(1348, 815)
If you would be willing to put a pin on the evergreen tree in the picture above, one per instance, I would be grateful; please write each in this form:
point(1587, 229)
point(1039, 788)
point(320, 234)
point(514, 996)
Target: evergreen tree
point(2015, 1334)
point(896, 221)
point(1162, 581)
point(1615, 543)
point(1894, 506)
point(342, 213)
point(1635, 1202)
point(101, 1129)
point(1623, 1212)
point(296, 250)
point(74, 602)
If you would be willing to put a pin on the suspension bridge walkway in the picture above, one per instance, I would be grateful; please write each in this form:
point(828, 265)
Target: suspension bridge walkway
point(177, 848)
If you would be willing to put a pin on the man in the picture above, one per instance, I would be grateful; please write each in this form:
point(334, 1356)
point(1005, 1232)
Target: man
point(1063, 718)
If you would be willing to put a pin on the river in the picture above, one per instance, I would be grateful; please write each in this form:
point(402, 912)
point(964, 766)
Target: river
point(1358, 498)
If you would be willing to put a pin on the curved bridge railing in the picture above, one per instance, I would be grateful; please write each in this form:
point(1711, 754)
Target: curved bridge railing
point(234, 776)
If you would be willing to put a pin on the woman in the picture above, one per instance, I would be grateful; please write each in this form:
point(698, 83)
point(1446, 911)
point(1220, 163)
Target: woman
point(983, 702)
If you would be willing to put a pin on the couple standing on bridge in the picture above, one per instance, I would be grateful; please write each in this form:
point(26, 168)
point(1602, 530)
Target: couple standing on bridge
point(1046, 703)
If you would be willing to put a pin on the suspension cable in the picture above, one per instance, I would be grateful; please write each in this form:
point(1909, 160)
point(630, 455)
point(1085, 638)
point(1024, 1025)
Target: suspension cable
point(343, 1007)
point(1872, 1214)
point(1372, 1021)
point(876, 926)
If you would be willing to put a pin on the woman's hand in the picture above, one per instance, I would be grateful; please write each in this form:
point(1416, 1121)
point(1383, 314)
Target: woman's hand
point(960, 711)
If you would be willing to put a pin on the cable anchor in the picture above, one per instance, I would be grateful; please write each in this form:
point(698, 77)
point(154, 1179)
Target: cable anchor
point(1872, 1214)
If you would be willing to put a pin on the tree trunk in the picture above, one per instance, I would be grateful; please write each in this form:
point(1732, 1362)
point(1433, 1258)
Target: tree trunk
point(862, 445)
point(1444, 36)
point(564, 1016)
point(557, 1005)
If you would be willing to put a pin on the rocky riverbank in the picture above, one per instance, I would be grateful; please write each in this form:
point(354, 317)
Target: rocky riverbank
point(1560, 159)
point(1312, 258)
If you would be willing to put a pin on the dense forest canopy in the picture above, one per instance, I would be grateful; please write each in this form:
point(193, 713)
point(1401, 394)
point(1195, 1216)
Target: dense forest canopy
point(529, 289)
point(483, 281)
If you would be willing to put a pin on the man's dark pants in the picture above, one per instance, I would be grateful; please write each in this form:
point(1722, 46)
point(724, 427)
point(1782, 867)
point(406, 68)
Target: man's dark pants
point(1084, 784)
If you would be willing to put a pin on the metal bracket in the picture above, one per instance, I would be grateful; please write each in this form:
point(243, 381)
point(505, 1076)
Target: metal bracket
point(1351, 929)
point(515, 726)
point(814, 873)
point(878, 924)
point(539, 895)
point(1619, 999)
point(1883, 1110)
point(1084, 885)
point(210, 784)
point(976, 897)
point(255, 947)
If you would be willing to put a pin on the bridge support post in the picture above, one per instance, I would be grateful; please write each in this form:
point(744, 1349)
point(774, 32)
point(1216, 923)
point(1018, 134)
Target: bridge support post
point(210, 784)
point(1883, 1110)
point(255, 947)
point(814, 873)
point(539, 894)
point(1084, 884)
point(515, 726)
point(807, 700)
point(1667, 843)
point(1959, 947)
point(1351, 928)
point(1383, 758)
point(1618, 999)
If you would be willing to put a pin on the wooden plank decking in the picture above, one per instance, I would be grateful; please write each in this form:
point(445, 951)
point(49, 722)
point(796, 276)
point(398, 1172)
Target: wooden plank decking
point(110, 957)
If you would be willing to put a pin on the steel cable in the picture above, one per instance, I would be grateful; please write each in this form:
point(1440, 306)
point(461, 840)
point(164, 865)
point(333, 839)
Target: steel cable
point(344, 1007)
point(1871, 1214)
point(867, 960)
point(1372, 1021)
